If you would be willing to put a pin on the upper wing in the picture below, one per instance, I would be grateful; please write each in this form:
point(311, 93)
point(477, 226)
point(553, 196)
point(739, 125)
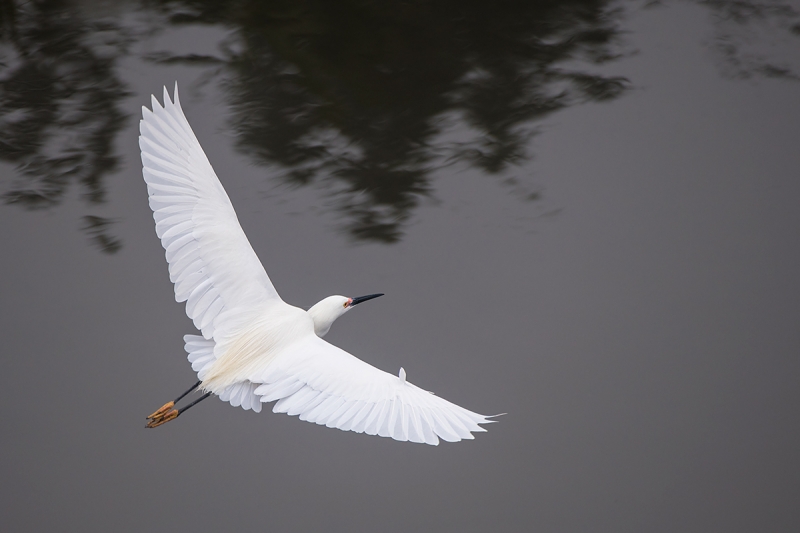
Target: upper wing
point(326, 385)
point(210, 259)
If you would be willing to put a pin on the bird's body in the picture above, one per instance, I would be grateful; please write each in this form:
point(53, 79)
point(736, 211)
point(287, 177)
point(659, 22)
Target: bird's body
point(256, 348)
point(262, 338)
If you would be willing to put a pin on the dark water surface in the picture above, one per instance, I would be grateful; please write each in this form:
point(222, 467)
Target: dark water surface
point(582, 213)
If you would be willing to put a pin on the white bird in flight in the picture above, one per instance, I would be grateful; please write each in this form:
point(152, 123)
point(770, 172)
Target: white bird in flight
point(255, 348)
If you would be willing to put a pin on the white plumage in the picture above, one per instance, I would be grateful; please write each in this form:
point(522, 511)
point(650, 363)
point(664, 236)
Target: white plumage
point(255, 348)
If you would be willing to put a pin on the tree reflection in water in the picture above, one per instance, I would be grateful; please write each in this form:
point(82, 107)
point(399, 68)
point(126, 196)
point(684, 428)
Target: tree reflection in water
point(58, 106)
point(356, 95)
point(744, 30)
point(361, 98)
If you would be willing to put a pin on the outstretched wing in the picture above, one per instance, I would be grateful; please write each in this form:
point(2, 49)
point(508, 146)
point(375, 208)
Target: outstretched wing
point(328, 386)
point(211, 262)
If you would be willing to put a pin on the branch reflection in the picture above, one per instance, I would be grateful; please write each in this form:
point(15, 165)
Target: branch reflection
point(58, 104)
point(357, 96)
point(364, 100)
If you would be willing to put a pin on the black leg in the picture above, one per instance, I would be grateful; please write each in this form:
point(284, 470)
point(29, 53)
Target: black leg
point(179, 398)
point(200, 399)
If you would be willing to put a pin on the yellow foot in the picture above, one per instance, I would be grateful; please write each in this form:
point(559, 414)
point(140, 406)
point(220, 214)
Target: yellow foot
point(157, 421)
point(161, 411)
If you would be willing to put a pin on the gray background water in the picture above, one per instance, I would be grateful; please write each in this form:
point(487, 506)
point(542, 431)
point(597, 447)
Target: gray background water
point(582, 214)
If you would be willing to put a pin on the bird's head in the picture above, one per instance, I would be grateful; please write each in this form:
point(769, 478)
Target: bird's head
point(328, 310)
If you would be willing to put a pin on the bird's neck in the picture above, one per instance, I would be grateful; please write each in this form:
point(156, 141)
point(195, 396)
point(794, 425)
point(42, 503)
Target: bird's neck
point(324, 314)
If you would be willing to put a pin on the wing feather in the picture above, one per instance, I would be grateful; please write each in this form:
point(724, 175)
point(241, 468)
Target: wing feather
point(211, 262)
point(326, 385)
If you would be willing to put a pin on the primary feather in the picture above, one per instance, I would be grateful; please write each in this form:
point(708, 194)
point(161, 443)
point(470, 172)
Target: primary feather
point(255, 348)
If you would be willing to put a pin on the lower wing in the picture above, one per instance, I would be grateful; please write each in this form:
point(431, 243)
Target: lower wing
point(328, 386)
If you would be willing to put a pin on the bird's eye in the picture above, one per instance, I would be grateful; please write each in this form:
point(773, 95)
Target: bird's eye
point(344, 305)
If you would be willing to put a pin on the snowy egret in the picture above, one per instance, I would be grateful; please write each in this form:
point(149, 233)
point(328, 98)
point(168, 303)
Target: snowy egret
point(256, 348)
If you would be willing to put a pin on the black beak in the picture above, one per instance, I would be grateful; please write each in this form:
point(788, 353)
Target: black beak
point(364, 299)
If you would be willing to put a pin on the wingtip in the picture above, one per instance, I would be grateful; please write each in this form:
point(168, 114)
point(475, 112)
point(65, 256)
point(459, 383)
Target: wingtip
point(492, 416)
point(176, 99)
point(146, 113)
